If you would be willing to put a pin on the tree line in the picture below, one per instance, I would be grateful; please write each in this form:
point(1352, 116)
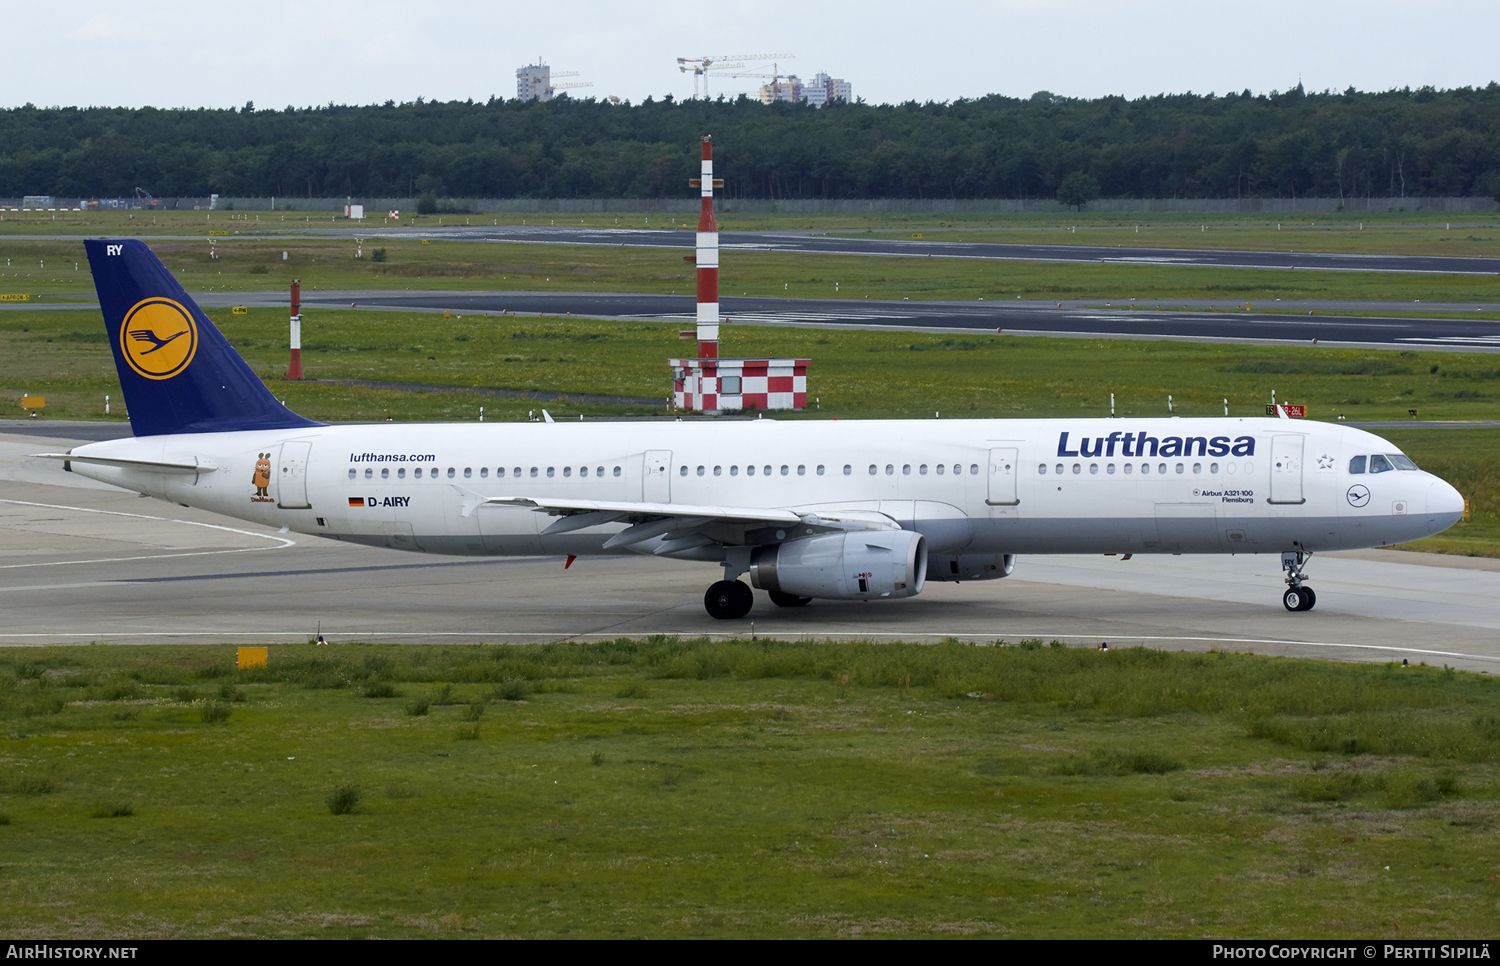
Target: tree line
point(1294, 143)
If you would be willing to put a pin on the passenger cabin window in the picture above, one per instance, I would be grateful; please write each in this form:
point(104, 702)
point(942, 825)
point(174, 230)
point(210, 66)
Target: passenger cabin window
point(401, 473)
point(451, 472)
point(416, 472)
point(385, 472)
point(1357, 465)
point(601, 471)
point(369, 473)
point(351, 472)
point(1379, 464)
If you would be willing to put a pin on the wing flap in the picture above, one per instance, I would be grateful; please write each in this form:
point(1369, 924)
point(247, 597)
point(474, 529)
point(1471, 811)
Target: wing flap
point(645, 511)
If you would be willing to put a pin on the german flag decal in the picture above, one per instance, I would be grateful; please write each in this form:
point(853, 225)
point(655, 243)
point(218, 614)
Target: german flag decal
point(356, 501)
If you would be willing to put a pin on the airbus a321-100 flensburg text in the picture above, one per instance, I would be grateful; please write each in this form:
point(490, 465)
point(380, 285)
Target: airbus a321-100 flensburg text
point(842, 510)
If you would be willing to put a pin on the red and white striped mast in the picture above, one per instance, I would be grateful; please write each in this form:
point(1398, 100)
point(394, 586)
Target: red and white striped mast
point(294, 367)
point(708, 258)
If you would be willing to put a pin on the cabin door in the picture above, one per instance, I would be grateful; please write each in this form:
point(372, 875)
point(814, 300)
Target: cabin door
point(1003, 471)
point(291, 475)
point(656, 483)
point(1286, 469)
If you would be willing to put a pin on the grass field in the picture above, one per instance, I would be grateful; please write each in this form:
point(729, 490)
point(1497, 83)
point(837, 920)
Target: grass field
point(855, 374)
point(669, 788)
point(322, 263)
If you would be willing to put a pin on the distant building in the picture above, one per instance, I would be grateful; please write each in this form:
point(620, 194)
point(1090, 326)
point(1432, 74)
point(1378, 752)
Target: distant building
point(822, 89)
point(787, 89)
point(534, 83)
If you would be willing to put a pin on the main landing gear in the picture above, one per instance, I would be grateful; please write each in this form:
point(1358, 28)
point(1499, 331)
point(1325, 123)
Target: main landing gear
point(1297, 597)
point(728, 600)
point(788, 600)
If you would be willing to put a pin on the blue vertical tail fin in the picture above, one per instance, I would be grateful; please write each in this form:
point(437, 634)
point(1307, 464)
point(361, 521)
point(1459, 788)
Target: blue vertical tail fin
point(178, 372)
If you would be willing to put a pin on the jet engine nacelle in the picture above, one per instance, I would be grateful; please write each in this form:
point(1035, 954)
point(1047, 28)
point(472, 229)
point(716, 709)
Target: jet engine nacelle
point(860, 565)
point(970, 566)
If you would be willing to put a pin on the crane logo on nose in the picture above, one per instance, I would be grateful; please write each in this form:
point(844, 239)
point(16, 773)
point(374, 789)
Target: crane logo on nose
point(1359, 495)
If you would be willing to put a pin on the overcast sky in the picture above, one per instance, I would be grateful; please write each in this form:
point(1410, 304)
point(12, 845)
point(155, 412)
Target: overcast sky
point(172, 53)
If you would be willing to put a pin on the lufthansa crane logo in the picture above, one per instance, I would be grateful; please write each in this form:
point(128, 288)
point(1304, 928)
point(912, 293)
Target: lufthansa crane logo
point(158, 338)
point(1359, 495)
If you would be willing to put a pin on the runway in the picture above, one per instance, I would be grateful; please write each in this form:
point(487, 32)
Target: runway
point(1227, 322)
point(822, 243)
point(82, 562)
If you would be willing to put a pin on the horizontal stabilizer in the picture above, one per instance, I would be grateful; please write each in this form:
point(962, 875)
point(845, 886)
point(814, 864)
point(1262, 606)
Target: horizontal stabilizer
point(150, 466)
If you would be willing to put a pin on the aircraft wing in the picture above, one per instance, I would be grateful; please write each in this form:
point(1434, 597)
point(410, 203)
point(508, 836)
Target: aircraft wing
point(566, 508)
point(679, 522)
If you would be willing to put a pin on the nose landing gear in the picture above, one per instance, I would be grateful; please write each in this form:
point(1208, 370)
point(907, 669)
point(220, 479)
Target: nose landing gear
point(1297, 597)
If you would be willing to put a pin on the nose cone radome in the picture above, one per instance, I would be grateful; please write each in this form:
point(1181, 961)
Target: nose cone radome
point(1445, 505)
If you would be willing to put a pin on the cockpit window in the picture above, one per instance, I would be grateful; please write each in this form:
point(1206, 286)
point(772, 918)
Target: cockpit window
point(1402, 462)
point(1379, 464)
point(1357, 465)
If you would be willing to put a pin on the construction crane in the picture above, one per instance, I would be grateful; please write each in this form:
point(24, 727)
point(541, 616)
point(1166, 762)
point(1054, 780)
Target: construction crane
point(554, 88)
point(144, 199)
point(719, 65)
point(775, 76)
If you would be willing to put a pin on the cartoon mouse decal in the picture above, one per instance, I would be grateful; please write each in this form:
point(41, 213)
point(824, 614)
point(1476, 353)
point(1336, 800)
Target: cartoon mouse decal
point(262, 478)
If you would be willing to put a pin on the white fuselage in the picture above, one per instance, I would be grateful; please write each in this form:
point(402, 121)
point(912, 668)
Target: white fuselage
point(969, 486)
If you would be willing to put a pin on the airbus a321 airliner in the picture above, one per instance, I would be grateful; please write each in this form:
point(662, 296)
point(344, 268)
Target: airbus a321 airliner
point(840, 510)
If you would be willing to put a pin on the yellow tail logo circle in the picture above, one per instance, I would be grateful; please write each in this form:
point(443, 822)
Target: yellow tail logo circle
point(158, 338)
